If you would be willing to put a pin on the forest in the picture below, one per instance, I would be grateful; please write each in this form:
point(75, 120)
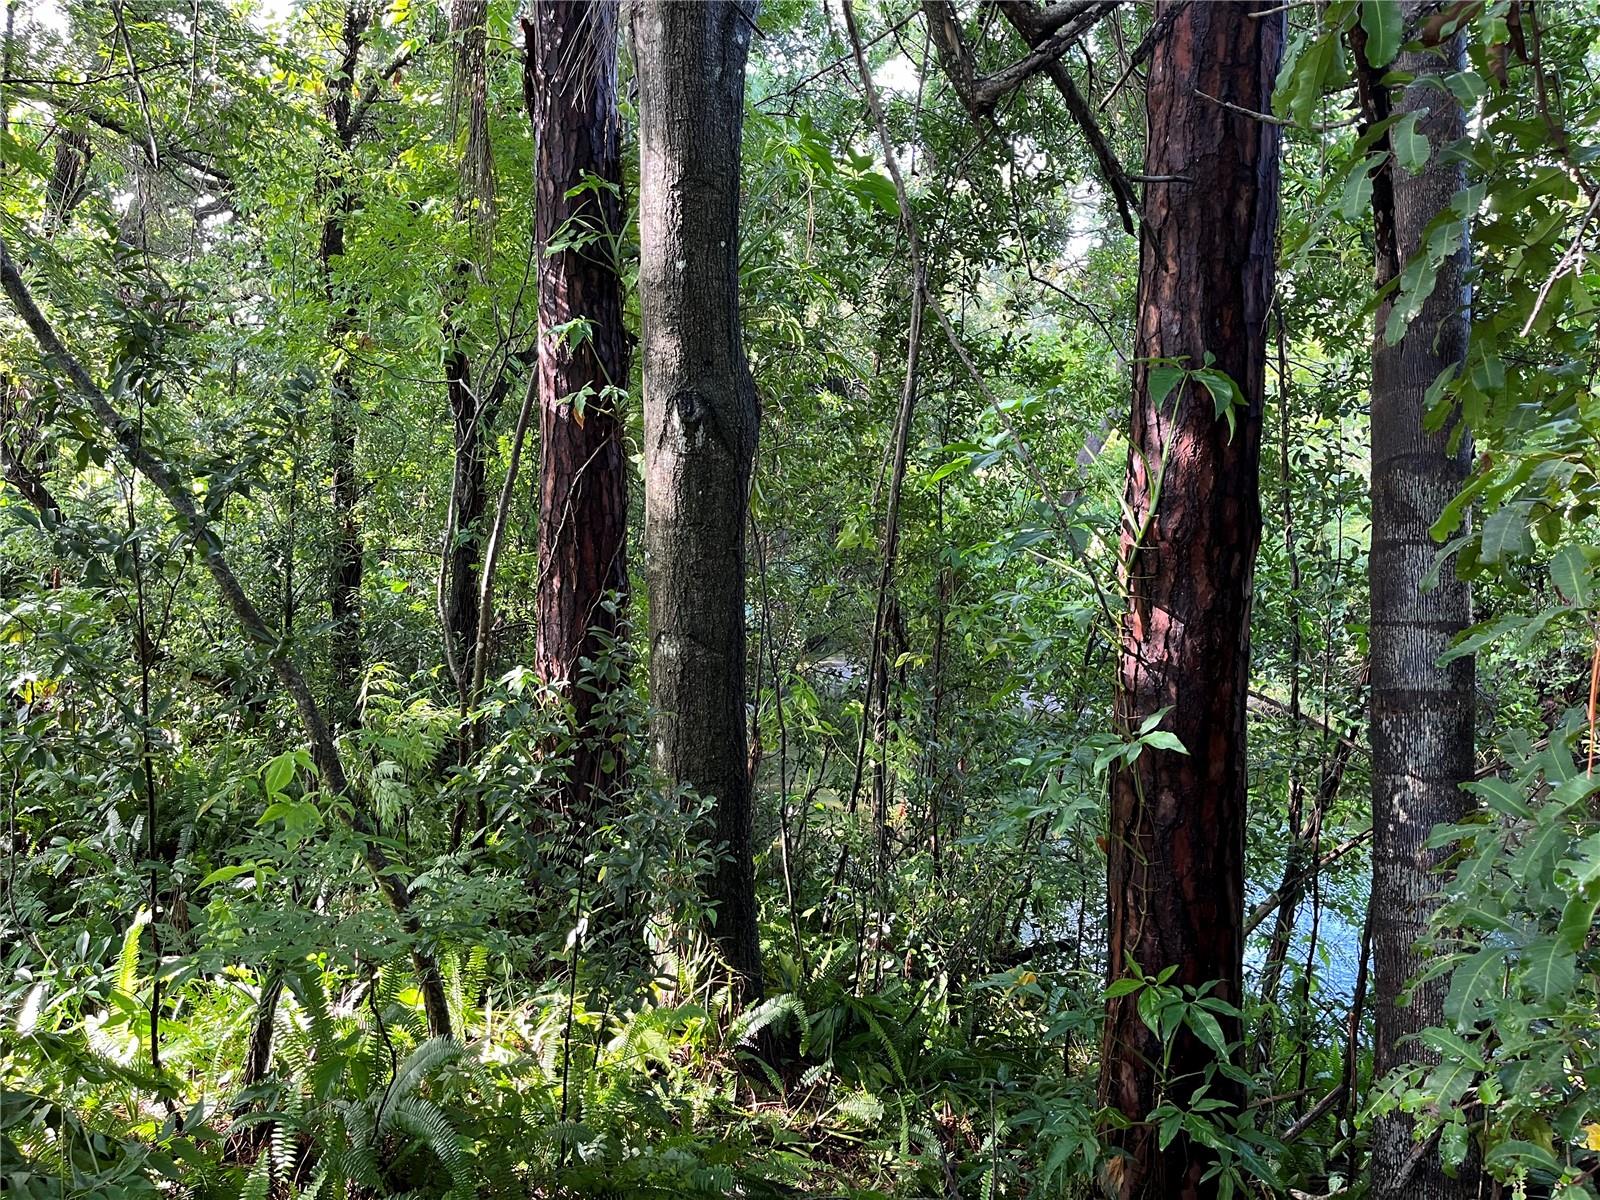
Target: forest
point(964, 599)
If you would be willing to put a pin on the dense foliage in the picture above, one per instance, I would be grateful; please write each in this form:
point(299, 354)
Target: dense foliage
point(208, 989)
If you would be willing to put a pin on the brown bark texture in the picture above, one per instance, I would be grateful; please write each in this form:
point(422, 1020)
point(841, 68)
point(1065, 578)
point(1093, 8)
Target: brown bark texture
point(1422, 714)
point(701, 420)
point(1176, 839)
point(582, 367)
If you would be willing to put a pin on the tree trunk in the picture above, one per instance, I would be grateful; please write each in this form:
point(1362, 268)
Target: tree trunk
point(583, 368)
point(700, 426)
point(1176, 844)
point(1422, 714)
point(347, 557)
point(469, 498)
point(472, 403)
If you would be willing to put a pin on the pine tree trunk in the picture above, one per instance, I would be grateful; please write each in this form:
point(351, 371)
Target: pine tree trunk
point(583, 365)
point(1176, 840)
point(1422, 714)
point(700, 426)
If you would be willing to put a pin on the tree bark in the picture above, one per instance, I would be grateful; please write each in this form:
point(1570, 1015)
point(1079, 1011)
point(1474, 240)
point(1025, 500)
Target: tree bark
point(472, 407)
point(1422, 714)
point(700, 423)
point(1176, 844)
point(469, 499)
point(347, 556)
point(583, 369)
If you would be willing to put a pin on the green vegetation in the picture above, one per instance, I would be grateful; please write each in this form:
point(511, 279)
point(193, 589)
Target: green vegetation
point(338, 862)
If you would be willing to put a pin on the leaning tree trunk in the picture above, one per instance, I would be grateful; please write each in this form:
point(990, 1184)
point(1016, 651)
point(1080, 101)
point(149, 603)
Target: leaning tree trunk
point(583, 369)
point(1422, 718)
point(1176, 843)
point(700, 428)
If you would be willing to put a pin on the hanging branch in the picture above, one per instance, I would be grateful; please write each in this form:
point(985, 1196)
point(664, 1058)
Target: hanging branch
point(983, 93)
point(1030, 23)
point(323, 751)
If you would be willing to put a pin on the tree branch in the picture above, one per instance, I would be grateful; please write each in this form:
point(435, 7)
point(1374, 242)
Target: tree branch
point(1027, 21)
point(982, 93)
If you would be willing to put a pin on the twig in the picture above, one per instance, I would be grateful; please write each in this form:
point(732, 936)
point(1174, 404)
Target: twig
point(138, 84)
point(1021, 14)
point(1318, 1111)
point(1567, 262)
point(1268, 118)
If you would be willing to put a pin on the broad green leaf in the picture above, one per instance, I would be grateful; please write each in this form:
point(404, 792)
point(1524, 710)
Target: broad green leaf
point(1384, 25)
point(1584, 865)
point(1357, 198)
point(1160, 381)
point(1505, 534)
point(1163, 739)
point(1450, 1080)
point(1410, 143)
point(1208, 1029)
point(1474, 982)
point(1571, 573)
point(1548, 967)
point(223, 874)
point(1511, 1155)
point(1312, 71)
point(279, 772)
point(1502, 797)
point(1577, 918)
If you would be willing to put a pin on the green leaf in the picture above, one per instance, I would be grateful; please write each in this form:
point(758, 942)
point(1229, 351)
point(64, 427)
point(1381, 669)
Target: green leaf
point(1164, 739)
point(1410, 144)
point(1384, 24)
point(1474, 982)
point(1505, 533)
point(279, 772)
point(1584, 864)
point(1512, 1155)
point(223, 874)
point(1357, 198)
point(1572, 575)
point(1160, 381)
point(1577, 919)
point(878, 188)
point(1502, 797)
point(1312, 69)
point(1208, 1029)
point(1549, 968)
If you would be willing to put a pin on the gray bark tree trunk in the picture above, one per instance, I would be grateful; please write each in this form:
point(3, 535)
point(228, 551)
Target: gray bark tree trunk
point(700, 428)
point(1422, 714)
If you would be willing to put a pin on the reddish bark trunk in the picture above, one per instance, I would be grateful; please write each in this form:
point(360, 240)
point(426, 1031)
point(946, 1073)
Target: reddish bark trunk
point(583, 360)
point(1176, 844)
